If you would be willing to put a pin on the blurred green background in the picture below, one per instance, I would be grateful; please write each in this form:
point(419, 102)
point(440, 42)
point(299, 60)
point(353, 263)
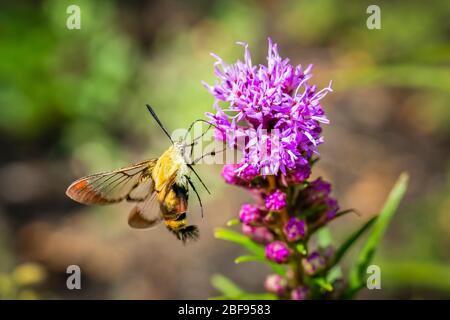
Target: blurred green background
point(72, 102)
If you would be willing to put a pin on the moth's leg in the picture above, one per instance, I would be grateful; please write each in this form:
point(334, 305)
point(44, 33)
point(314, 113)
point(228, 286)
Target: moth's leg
point(198, 177)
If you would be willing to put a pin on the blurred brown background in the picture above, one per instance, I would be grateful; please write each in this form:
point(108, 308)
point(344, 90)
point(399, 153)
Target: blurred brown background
point(72, 102)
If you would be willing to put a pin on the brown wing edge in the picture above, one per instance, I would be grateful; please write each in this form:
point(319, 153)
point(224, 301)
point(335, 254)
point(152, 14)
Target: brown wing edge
point(137, 220)
point(82, 191)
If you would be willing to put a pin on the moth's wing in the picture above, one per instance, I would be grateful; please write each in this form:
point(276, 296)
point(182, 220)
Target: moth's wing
point(114, 186)
point(146, 214)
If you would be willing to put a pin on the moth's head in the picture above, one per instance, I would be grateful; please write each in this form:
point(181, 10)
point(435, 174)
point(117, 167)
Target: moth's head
point(179, 145)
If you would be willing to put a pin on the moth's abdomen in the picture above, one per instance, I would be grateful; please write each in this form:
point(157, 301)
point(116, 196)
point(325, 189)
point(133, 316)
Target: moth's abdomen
point(183, 231)
point(174, 202)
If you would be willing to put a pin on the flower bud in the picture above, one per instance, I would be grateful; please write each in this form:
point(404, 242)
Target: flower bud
point(299, 293)
point(229, 174)
point(248, 173)
point(261, 235)
point(250, 214)
point(276, 201)
point(300, 174)
point(278, 252)
point(317, 260)
point(275, 284)
point(318, 196)
point(332, 208)
point(294, 229)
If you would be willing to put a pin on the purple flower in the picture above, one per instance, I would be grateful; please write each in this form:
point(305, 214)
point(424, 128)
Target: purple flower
point(276, 284)
point(273, 115)
point(314, 262)
point(273, 106)
point(317, 260)
point(229, 174)
point(276, 201)
point(319, 189)
point(294, 229)
point(247, 172)
point(332, 208)
point(250, 214)
point(261, 235)
point(239, 174)
point(299, 175)
point(277, 251)
point(299, 293)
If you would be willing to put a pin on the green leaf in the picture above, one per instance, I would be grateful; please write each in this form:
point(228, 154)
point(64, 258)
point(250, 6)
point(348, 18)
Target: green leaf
point(240, 239)
point(301, 248)
point(324, 284)
point(357, 274)
point(275, 267)
point(350, 241)
point(233, 222)
point(324, 238)
point(344, 212)
point(252, 246)
point(241, 259)
point(225, 285)
point(334, 274)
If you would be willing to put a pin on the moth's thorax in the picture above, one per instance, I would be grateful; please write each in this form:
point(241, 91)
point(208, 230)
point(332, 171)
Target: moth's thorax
point(178, 156)
point(171, 165)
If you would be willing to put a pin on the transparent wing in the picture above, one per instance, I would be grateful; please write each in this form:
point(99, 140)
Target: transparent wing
point(146, 214)
point(132, 183)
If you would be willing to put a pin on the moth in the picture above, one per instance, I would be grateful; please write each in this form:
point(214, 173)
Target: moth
point(159, 188)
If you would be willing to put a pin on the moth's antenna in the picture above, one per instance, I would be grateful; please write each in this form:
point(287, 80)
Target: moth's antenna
point(212, 153)
point(196, 193)
point(197, 121)
point(198, 177)
point(152, 112)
